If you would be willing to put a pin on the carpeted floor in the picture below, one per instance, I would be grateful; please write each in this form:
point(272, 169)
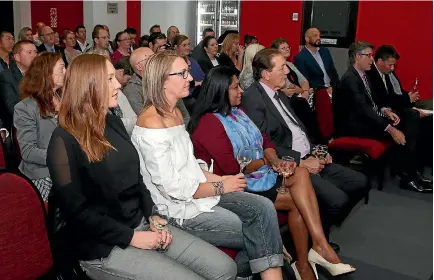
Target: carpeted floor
point(390, 238)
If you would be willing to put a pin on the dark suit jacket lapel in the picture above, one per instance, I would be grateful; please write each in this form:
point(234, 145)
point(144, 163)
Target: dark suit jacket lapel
point(312, 59)
point(270, 105)
point(16, 74)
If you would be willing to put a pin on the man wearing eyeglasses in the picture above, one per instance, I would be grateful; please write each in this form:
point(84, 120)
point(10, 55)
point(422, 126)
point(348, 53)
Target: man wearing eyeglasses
point(358, 113)
point(47, 38)
point(101, 39)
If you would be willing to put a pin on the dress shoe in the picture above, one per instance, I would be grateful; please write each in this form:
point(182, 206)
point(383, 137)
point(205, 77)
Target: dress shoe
point(423, 180)
point(335, 247)
point(333, 268)
point(297, 274)
point(414, 186)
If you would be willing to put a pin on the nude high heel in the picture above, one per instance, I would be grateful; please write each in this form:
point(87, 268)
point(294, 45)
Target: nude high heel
point(297, 274)
point(334, 269)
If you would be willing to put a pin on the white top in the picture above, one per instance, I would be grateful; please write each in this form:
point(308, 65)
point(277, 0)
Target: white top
point(300, 142)
point(170, 170)
point(214, 62)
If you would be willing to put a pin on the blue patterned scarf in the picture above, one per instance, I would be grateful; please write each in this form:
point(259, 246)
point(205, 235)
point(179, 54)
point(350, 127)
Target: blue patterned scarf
point(242, 132)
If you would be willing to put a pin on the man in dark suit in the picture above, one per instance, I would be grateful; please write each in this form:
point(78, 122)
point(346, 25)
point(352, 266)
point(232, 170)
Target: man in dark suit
point(388, 92)
point(81, 44)
point(337, 187)
point(24, 53)
point(47, 37)
point(316, 63)
point(356, 113)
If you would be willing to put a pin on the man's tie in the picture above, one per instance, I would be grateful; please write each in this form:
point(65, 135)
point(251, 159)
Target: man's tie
point(368, 91)
point(276, 96)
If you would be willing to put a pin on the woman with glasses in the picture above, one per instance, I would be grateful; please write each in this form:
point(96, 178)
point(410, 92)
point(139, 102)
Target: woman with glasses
point(122, 46)
point(181, 44)
point(220, 129)
point(209, 206)
point(35, 116)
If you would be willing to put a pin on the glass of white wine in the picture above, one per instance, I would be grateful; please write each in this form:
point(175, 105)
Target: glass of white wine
point(244, 157)
point(286, 169)
point(160, 219)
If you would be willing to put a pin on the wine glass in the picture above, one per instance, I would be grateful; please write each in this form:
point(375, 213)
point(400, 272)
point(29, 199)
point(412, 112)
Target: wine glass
point(159, 219)
point(244, 157)
point(320, 152)
point(286, 168)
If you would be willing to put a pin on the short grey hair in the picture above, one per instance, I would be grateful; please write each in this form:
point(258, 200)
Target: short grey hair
point(357, 47)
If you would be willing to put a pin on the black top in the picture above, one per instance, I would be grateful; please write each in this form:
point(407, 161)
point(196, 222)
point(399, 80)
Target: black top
point(101, 202)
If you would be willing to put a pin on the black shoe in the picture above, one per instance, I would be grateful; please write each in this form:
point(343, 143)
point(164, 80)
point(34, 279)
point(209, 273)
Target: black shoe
point(335, 247)
point(414, 186)
point(423, 180)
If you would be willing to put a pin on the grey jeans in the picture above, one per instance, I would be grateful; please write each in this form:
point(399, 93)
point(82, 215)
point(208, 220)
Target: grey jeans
point(243, 221)
point(187, 257)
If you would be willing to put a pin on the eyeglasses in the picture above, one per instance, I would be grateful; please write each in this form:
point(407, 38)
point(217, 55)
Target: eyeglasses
point(367, 54)
point(124, 39)
point(49, 34)
point(183, 74)
point(105, 37)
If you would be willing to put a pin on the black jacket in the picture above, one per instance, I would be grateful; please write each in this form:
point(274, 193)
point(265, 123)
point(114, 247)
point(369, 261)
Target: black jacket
point(9, 94)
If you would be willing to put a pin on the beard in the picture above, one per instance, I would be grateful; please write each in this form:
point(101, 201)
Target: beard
point(316, 44)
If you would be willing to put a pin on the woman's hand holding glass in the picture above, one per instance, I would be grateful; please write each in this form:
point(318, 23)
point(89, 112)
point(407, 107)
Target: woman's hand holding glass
point(286, 167)
point(235, 183)
point(158, 223)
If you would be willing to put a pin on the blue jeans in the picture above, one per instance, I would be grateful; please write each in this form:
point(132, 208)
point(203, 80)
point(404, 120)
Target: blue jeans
point(243, 221)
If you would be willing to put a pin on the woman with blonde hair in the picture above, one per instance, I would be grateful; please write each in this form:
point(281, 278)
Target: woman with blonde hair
point(35, 116)
point(214, 208)
point(25, 34)
point(69, 53)
point(98, 189)
point(246, 76)
point(231, 53)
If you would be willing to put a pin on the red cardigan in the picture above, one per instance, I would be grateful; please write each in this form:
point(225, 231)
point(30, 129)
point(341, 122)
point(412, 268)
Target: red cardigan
point(210, 141)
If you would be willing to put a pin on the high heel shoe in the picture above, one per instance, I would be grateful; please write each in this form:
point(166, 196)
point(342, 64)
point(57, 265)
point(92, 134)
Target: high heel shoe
point(297, 274)
point(333, 268)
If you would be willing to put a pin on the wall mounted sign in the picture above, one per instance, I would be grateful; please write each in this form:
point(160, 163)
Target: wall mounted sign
point(112, 8)
point(53, 17)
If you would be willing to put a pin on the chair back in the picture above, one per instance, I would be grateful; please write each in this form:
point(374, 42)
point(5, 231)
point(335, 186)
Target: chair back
point(324, 114)
point(2, 159)
point(25, 249)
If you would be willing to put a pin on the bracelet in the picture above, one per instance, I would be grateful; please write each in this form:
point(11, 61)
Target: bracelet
point(263, 160)
point(218, 188)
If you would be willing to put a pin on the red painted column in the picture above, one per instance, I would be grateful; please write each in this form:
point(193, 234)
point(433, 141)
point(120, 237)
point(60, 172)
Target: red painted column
point(133, 16)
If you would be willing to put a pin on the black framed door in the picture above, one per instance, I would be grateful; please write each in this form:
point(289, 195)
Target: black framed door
point(7, 18)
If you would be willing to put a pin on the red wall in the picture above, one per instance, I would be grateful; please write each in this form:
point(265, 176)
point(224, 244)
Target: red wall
point(133, 16)
point(405, 25)
point(408, 27)
point(69, 13)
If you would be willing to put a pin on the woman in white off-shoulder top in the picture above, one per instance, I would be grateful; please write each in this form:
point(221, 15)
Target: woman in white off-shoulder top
point(208, 206)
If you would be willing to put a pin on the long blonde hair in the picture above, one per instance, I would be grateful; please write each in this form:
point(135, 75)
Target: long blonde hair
point(249, 54)
point(84, 104)
point(228, 42)
point(156, 70)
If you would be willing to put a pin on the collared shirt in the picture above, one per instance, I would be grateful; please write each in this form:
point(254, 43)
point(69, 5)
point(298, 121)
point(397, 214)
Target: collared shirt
point(49, 48)
point(383, 77)
point(300, 142)
point(6, 65)
point(318, 59)
point(83, 47)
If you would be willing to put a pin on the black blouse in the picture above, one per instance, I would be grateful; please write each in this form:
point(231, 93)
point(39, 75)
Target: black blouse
point(101, 202)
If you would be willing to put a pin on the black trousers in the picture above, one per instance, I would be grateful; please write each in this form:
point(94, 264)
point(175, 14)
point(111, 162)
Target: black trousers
point(424, 145)
point(338, 190)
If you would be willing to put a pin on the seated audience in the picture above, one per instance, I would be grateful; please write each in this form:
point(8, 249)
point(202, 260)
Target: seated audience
point(132, 32)
point(25, 34)
point(123, 110)
point(198, 50)
point(232, 52)
point(122, 46)
point(316, 64)
point(172, 32)
point(35, 116)
point(101, 39)
point(133, 89)
point(338, 188)
point(111, 44)
point(81, 44)
point(357, 114)
point(154, 29)
point(100, 193)
point(220, 129)
point(246, 76)
point(36, 36)
point(57, 39)
point(157, 42)
point(24, 53)
point(69, 53)
point(181, 44)
point(48, 41)
point(212, 207)
point(249, 39)
point(7, 42)
point(209, 59)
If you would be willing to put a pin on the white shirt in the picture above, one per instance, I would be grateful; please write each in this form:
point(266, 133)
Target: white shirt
point(170, 171)
point(300, 143)
point(383, 77)
point(82, 46)
point(214, 62)
point(318, 59)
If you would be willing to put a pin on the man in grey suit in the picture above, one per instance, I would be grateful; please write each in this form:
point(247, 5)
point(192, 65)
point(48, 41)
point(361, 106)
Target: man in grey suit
point(338, 188)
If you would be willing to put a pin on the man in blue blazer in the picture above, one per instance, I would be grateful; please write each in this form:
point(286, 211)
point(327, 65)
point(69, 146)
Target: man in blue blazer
point(316, 63)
